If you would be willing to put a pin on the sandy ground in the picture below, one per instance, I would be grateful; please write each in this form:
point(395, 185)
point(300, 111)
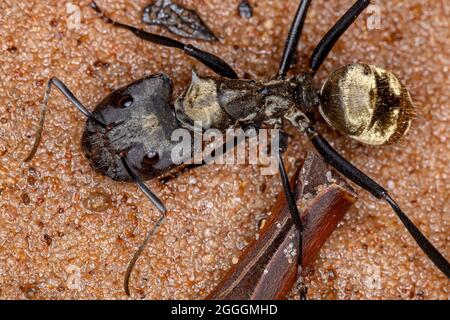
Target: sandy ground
point(69, 233)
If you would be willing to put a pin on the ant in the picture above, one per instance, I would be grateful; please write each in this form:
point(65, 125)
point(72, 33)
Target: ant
point(127, 136)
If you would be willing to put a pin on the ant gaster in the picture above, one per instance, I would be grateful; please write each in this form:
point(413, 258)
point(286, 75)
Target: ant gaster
point(127, 136)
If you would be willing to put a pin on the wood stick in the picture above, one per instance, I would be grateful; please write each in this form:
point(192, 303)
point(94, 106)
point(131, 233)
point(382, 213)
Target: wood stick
point(268, 267)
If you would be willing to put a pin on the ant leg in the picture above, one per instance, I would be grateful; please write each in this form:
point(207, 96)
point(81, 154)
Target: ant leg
point(213, 62)
point(295, 215)
point(158, 204)
point(71, 97)
point(332, 36)
point(293, 37)
point(351, 172)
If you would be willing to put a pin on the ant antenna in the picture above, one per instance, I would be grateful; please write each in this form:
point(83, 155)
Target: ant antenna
point(71, 97)
point(145, 190)
point(295, 215)
point(158, 204)
point(149, 194)
point(126, 281)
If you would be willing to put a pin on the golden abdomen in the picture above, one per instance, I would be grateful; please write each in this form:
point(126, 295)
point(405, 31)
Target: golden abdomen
point(367, 103)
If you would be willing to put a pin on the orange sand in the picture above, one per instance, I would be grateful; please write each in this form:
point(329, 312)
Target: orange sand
point(68, 233)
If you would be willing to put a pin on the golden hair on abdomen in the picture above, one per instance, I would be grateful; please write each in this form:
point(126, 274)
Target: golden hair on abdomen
point(367, 103)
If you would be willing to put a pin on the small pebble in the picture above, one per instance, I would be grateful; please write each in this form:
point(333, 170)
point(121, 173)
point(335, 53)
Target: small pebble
point(97, 201)
point(245, 9)
point(25, 198)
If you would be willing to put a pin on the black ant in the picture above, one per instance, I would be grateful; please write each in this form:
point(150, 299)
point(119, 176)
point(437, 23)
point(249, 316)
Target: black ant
point(127, 136)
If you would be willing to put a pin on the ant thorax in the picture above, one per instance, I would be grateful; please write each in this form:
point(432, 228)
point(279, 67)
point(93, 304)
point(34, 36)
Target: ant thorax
point(221, 103)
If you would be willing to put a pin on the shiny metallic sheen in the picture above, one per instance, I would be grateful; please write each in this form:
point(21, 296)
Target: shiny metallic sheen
point(367, 103)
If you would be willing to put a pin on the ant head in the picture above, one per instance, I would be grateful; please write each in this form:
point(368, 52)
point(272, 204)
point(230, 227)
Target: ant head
point(366, 103)
point(138, 122)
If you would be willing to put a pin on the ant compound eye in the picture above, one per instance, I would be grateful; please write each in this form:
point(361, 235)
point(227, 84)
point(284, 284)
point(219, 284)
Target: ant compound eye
point(367, 103)
point(150, 158)
point(125, 102)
